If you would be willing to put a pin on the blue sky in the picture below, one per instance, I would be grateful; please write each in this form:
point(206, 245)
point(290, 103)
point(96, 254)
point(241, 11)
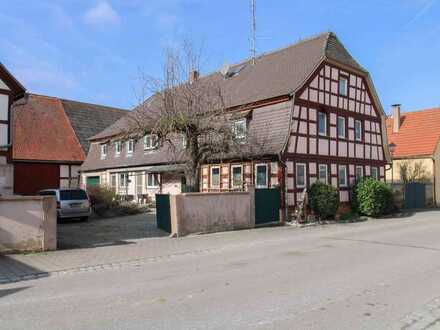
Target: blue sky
point(92, 50)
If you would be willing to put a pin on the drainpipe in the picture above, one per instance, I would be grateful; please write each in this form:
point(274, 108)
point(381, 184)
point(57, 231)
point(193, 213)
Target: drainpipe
point(286, 209)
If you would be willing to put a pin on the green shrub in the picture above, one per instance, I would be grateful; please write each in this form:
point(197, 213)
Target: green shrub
point(373, 198)
point(324, 200)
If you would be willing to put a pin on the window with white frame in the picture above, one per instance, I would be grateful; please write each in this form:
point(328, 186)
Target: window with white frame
point(358, 130)
point(150, 142)
point(215, 177)
point(342, 174)
point(123, 180)
point(341, 127)
point(118, 148)
point(113, 181)
point(130, 147)
point(184, 143)
point(359, 173)
point(300, 175)
point(322, 123)
point(153, 180)
point(239, 129)
point(375, 173)
point(343, 86)
point(261, 176)
point(237, 176)
point(104, 149)
point(323, 173)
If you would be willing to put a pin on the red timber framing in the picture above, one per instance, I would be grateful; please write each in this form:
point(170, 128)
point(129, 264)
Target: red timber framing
point(321, 94)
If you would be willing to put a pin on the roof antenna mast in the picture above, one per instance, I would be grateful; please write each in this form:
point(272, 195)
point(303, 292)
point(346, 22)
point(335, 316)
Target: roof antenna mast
point(254, 32)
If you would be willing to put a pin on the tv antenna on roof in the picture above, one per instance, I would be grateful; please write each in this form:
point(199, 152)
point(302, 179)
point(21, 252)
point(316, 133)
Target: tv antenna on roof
point(253, 32)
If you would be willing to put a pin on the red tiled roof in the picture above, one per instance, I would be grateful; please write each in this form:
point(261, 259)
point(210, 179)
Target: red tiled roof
point(42, 131)
point(418, 135)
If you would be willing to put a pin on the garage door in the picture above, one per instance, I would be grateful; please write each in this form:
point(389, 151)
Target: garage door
point(92, 181)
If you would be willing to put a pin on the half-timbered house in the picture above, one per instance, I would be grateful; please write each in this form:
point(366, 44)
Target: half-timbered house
point(311, 107)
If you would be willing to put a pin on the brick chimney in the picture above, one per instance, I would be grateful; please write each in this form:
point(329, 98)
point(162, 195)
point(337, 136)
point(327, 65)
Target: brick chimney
point(193, 76)
point(396, 117)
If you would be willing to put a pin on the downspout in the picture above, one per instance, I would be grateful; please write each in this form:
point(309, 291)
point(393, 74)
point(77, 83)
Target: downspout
point(280, 159)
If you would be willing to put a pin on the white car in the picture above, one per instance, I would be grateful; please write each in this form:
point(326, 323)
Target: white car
point(71, 202)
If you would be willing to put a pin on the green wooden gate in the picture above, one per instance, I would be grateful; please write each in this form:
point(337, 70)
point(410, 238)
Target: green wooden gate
point(92, 181)
point(415, 195)
point(267, 205)
point(163, 216)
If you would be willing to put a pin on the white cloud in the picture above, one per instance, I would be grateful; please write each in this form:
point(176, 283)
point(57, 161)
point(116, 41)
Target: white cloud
point(102, 13)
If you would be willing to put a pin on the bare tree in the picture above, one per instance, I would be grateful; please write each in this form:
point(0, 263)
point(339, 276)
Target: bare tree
point(187, 114)
point(413, 171)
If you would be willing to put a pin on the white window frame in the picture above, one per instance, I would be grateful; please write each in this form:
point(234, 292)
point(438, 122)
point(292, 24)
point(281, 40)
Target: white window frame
point(104, 150)
point(256, 175)
point(235, 130)
point(115, 177)
point(156, 180)
point(326, 173)
point(305, 175)
point(123, 179)
point(219, 177)
point(343, 136)
point(184, 141)
point(118, 145)
point(360, 130)
point(356, 172)
point(154, 142)
point(345, 91)
point(241, 176)
point(376, 169)
point(128, 149)
point(345, 184)
point(325, 123)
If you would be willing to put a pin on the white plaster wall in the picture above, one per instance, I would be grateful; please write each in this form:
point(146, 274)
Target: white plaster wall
point(4, 107)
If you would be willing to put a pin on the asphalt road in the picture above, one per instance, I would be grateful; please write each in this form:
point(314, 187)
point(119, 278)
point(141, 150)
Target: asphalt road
point(379, 274)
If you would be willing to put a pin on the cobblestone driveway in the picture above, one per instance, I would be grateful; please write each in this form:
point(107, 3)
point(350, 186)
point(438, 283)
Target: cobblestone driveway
point(105, 232)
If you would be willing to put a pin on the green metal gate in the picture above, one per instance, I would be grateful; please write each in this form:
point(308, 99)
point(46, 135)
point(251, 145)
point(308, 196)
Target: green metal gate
point(163, 216)
point(415, 195)
point(267, 205)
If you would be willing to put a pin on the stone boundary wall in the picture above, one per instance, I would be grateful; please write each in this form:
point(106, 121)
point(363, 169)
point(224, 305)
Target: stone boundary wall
point(212, 212)
point(28, 224)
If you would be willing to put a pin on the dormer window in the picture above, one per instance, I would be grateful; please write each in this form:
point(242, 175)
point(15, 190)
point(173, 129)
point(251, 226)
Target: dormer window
point(150, 142)
point(239, 129)
point(118, 148)
point(343, 88)
point(104, 149)
point(130, 147)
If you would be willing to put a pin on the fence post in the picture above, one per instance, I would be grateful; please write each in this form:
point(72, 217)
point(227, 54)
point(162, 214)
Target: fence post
point(174, 216)
point(250, 188)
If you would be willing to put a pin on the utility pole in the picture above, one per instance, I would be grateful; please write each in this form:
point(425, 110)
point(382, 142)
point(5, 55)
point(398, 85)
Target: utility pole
point(253, 32)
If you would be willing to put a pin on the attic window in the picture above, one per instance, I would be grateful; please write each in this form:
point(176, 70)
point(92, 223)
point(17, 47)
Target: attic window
point(239, 129)
point(150, 141)
point(104, 148)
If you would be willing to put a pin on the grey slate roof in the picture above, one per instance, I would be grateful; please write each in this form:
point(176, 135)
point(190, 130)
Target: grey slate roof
point(278, 73)
point(89, 119)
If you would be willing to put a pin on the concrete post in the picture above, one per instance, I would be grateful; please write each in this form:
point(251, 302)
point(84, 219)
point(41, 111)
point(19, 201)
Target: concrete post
point(250, 188)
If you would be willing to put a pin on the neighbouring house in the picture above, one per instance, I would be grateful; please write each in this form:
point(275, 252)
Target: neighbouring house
point(10, 91)
point(415, 137)
point(312, 106)
point(50, 140)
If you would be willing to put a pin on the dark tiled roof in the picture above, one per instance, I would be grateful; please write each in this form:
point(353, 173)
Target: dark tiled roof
point(89, 119)
point(278, 73)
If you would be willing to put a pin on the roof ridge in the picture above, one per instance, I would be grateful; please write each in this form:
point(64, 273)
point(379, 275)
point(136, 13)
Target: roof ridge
point(277, 50)
point(420, 111)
